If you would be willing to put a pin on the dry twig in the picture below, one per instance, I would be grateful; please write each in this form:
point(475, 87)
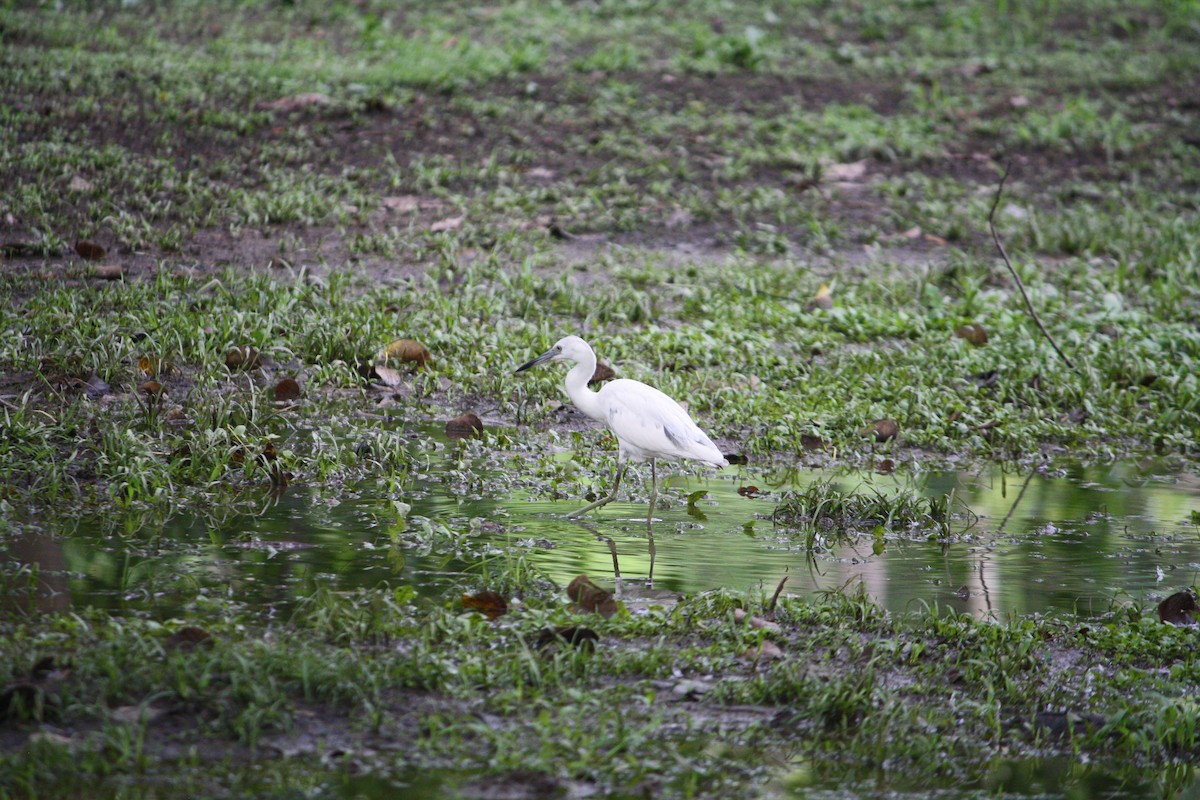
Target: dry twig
point(775, 598)
point(1012, 271)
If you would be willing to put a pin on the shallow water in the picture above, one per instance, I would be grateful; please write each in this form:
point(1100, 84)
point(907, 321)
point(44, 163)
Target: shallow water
point(1069, 539)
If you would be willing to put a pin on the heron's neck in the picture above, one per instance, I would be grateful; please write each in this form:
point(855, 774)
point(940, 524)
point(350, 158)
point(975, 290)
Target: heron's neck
point(584, 398)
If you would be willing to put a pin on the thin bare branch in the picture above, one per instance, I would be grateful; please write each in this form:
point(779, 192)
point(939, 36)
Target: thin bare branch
point(1012, 271)
point(775, 597)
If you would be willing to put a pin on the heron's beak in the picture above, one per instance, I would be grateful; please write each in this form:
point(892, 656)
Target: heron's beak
point(543, 358)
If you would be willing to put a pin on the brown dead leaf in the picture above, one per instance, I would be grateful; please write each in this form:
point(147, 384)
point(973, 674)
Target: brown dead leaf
point(589, 597)
point(409, 351)
point(490, 604)
point(90, 250)
point(974, 333)
point(603, 373)
point(749, 491)
point(885, 467)
point(286, 390)
point(583, 638)
point(822, 299)
point(882, 429)
point(740, 615)
point(152, 390)
point(108, 272)
point(448, 224)
point(242, 358)
point(464, 427)
point(767, 651)
point(1179, 609)
point(810, 441)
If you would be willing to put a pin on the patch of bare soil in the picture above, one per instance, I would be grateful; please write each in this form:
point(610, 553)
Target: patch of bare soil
point(559, 125)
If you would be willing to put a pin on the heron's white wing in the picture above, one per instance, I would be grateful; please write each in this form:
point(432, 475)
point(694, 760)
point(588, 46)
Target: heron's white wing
point(649, 424)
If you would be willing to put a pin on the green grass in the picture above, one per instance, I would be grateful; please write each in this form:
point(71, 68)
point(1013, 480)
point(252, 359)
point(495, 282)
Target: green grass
point(850, 678)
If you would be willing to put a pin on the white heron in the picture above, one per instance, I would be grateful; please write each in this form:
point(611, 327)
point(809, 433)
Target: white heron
point(647, 423)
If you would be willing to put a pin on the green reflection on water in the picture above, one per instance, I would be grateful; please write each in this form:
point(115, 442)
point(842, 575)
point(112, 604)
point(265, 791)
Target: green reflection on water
point(1074, 540)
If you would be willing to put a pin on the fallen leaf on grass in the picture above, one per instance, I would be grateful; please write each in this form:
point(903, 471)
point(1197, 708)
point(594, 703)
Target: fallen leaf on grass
point(90, 250)
point(603, 372)
point(286, 390)
point(154, 365)
point(589, 597)
point(810, 441)
point(490, 604)
point(767, 651)
point(974, 333)
point(242, 358)
point(153, 390)
point(583, 638)
point(882, 429)
point(408, 351)
point(466, 426)
point(740, 615)
point(822, 299)
point(749, 491)
point(108, 272)
point(1179, 609)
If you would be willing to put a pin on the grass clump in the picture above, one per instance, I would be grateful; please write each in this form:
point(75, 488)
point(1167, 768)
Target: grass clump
point(683, 699)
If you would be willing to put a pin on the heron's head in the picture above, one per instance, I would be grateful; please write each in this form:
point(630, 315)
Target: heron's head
point(568, 348)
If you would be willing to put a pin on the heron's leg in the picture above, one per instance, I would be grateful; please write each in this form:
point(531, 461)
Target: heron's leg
point(653, 554)
point(603, 501)
point(653, 493)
